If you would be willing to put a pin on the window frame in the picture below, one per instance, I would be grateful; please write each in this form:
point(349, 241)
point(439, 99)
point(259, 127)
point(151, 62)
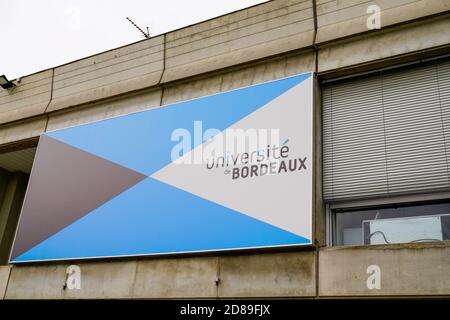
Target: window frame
point(330, 208)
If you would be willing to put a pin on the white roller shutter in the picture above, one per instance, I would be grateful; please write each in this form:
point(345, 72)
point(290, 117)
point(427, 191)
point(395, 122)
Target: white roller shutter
point(387, 133)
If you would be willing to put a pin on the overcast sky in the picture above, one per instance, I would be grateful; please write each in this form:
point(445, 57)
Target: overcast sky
point(40, 34)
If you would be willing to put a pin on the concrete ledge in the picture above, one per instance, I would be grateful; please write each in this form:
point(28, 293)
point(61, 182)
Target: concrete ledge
point(351, 20)
point(4, 277)
point(36, 282)
point(287, 274)
point(210, 63)
point(29, 98)
point(202, 86)
point(22, 130)
point(282, 274)
point(405, 270)
point(387, 44)
point(176, 278)
point(105, 280)
point(104, 110)
point(111, 73)
point(113, 280)
point(155, 278)
point(28, 111)
point(240, 77)
point(409, 269)
point(117, 88)
point(268, 29)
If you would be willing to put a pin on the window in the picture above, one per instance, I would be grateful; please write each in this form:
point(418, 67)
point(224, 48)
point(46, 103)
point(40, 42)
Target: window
point(387, 133)
point(402, 223)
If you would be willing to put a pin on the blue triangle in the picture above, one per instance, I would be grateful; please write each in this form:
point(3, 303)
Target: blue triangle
point(154, 218)
point(142, 141)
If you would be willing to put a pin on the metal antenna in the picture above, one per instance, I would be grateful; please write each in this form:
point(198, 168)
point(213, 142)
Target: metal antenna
point(146, 34)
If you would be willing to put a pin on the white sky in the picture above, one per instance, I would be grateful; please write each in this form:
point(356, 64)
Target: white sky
point(40, 34)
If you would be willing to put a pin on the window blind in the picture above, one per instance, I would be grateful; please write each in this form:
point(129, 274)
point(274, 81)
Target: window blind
point(387, 133)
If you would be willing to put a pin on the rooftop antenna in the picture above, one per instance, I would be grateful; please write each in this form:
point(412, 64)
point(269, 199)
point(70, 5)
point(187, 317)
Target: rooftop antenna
point(145, 34)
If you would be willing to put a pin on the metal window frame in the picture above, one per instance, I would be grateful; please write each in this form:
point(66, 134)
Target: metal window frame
point(412, 63)
point(370, 203)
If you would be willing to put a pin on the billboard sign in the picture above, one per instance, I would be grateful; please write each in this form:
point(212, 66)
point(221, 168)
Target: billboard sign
point(223, 172)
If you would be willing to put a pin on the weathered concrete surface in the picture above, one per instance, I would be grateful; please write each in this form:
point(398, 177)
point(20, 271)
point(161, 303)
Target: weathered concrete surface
point(408, 269)
point(22, 130)
point(176, 278)
point(242, 77)
point(287, 274)
point(212, 84)
point(99, 280)
point(338, 19)
point(243, 36)
point(4, 276)
point(144, 279)
point(104, 110)
point(111, 73)
point(385, 44)
point(37, 282)
point(29, 98)
point(104, 280)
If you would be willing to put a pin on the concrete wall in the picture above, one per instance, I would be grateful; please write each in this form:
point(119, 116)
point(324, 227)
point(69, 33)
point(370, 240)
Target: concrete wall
point(29, 98)
point(290, 274)
point(405, 270)
point(421, 35)
point(341, 19)
point(265, 42)
point(108, 74)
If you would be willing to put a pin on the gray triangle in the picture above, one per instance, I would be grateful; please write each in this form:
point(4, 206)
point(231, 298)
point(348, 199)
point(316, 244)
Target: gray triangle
point(66, 184)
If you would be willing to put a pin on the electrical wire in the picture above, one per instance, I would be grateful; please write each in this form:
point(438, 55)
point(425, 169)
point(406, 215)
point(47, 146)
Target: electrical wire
point(387, 242)
point(376, 232)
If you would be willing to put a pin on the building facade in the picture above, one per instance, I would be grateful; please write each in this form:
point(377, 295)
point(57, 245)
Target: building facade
point(381, 149)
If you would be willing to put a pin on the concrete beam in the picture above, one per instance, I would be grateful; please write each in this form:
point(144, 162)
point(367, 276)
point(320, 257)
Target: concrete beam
point(22, 130)
point(240, 77)
point(105, 109)
point(29, 98)
point(176, 278)
point(104, 280)
point(373, 47)
point(37, 282)
point(108, 74)
point(288, 274)
point(254, 33)
point(143, 279)
point(342, 19)
point(231, 79)
point(406, 269)
point(100, 280)
point(282, 274)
